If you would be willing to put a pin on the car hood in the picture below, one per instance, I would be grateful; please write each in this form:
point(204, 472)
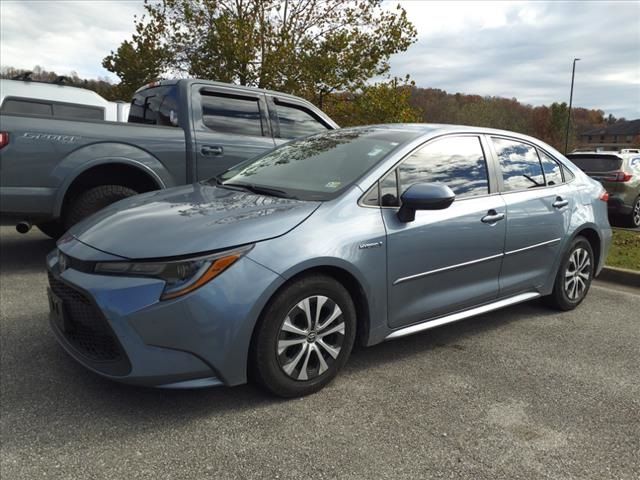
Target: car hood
point(189, 220)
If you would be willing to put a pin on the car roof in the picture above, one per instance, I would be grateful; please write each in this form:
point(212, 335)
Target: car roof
point(435, 129)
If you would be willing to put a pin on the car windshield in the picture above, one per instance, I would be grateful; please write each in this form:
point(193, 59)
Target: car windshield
point(318, 167)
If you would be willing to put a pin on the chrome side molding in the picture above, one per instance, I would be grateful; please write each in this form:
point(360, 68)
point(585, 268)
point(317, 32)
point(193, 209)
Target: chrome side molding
point(444, 269)
point(473, 262)
point(419, 327)
point(541, 244)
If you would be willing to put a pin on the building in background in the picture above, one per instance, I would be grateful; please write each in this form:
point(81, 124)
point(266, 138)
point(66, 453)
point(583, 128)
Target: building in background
point(617, 136)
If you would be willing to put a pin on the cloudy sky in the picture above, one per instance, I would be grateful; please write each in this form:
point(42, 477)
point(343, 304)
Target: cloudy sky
point(509, 49)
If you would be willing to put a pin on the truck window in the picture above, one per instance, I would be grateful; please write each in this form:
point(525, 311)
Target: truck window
point(52, 109)
point(79, 112)
point(155, 106)
point(231, 114)
point(26, 107)
point(297, 121)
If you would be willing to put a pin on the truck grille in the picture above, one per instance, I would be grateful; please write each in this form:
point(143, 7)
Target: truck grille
point(88, 331)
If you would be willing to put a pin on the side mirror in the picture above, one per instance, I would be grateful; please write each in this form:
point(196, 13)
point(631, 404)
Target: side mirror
point(424, 196)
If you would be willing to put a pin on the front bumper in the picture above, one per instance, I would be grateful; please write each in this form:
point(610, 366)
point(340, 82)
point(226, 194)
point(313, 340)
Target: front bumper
point(200, 339)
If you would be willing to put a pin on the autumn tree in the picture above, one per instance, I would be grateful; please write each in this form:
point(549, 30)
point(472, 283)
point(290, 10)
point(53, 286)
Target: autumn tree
point(310, 48)
point(140, 60)
point(381, 102)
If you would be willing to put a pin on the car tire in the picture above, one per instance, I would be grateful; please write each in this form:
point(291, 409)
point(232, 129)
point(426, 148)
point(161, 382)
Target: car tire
point(52, 228)
point(93, 200)
point(574, 276)
point(633, 219)
point(297, 351)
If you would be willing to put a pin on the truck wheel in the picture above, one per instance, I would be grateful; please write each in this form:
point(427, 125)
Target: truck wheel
point(52, 228)
point(94, 199)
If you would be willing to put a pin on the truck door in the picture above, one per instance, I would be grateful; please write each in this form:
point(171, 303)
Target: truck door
point(230, 126)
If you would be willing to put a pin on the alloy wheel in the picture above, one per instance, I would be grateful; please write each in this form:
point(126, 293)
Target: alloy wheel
point(311, 337)
point(577, 274)
point(636, 214)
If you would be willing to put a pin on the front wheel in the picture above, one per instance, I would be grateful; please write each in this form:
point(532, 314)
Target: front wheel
point(574, 276)
point(304, 337)
point(93, 200)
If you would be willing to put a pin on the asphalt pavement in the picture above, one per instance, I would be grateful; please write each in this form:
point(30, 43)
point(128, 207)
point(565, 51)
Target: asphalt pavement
point(523, 393)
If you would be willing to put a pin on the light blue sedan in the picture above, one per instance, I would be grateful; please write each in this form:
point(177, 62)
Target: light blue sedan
point(273, 270)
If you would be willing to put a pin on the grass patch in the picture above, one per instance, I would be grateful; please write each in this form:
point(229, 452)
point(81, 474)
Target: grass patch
point(625, 250)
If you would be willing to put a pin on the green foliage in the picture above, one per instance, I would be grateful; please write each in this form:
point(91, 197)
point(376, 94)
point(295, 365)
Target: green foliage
point(383, 102)
point(140, 60)
point(305, 47)
point(625, 250)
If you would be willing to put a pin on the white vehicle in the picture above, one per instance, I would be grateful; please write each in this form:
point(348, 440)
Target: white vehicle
point(50, 99)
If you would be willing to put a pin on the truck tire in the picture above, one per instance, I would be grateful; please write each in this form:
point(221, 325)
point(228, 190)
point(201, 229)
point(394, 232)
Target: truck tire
point(93, 200)
point(52, 228)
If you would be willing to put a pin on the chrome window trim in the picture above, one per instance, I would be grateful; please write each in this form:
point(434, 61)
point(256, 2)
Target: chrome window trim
point(427, 324)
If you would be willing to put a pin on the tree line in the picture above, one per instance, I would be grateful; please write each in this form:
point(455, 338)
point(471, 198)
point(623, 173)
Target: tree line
point(327, 51)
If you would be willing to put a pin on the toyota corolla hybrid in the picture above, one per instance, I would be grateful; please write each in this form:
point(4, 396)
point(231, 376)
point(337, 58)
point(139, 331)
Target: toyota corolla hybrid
point(274, 269)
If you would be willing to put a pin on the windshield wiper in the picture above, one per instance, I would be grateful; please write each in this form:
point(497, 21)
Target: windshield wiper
point(259, 189)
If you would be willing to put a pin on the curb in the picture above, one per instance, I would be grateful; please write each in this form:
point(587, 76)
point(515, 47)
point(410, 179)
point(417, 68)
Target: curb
point(623, 276)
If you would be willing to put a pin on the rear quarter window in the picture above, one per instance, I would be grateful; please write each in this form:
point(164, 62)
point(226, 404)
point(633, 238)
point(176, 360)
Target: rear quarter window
point(155, 106)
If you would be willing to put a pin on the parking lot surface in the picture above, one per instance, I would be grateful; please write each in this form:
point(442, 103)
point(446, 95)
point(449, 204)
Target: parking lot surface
point(522, 393)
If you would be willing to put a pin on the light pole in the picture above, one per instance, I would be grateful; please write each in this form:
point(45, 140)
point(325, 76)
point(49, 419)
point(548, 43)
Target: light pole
point(573, 74)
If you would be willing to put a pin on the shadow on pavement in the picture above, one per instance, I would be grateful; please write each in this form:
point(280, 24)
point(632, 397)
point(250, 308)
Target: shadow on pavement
point(23, 253)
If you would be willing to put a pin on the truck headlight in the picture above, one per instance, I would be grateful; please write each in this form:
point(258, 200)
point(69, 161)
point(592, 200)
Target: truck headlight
point(180, 276)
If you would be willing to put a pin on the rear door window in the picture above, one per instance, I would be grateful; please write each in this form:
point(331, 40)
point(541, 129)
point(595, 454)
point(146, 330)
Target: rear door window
point(296, 121)
point(458, 162)
point(232, 114)
point(551, 169)
point(521, 169)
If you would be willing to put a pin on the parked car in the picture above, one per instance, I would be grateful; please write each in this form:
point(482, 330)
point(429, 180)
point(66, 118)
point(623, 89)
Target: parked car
point(619, 173)
point(53, 100)
point(56, 171)
point(276, 267)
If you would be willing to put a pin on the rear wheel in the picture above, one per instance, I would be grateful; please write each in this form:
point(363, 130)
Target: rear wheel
point(574, 276)
point(633, 219)
point(304, 338)
point(52, 228)
point(93, 200)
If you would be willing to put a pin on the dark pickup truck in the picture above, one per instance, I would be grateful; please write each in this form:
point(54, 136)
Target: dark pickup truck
point(54, 171)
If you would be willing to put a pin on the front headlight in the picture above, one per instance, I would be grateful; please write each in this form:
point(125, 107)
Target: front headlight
point(181, 276)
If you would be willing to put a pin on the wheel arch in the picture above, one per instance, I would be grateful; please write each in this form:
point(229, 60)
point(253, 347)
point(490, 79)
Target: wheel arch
point(118, 171)
point(345, 278)
point(593, 237)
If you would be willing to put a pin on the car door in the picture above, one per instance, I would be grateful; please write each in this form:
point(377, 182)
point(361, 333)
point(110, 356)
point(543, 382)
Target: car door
point(445, 260)
point(539, 205)
point(230, 126)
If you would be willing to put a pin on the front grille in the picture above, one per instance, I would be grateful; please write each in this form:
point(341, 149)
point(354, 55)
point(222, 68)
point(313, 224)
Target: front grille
point(88, 332)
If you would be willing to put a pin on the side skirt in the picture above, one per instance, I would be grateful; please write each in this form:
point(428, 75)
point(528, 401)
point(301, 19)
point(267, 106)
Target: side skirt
point(419, 327)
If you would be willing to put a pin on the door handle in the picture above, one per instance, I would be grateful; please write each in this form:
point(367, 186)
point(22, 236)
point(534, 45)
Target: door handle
point(492, 217)
point(211, 150)
point(560, 203)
